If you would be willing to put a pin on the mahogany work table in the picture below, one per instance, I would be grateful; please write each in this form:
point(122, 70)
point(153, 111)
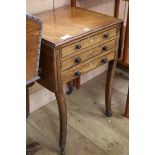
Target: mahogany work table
point(74, 42)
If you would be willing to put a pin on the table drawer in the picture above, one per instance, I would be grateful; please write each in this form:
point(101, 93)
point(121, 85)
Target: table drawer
point(87, 42)
point(77, 59)
point(68, 76)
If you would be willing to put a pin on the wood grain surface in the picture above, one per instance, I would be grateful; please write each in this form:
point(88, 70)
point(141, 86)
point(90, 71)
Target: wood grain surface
point(72, 21)
point(33, 38)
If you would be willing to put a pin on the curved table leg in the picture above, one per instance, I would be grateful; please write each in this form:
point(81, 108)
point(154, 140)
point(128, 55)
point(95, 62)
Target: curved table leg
point(63, 119)
point(108, 91)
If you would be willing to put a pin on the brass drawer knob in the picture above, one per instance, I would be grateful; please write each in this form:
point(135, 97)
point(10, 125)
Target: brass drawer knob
point(77, 60)
point(105, 48)
point(104, 60)
point(105, 36)
point(78, 46)
point(78, 74)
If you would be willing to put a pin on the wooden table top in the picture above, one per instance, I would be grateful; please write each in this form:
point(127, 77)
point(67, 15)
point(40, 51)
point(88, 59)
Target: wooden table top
point(66, 23)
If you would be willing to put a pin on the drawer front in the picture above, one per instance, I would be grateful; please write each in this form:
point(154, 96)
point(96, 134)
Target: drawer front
point(68, 76)
point(78, 59)
point(87, 42)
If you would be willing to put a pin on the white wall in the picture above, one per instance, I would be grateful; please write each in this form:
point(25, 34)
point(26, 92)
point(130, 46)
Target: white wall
point(36, 6)
point(102, 6)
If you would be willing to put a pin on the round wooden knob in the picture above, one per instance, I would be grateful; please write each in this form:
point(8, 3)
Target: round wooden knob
point(105, 48)
point(78, 46)
point(78, 73)
point(104, 60)
point(77, 60)
point(105, 36)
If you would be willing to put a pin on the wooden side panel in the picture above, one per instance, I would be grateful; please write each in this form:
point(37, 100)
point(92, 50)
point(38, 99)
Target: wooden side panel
point(32, 42)
point(33, 37)
point(47, 67)
point(77, 22)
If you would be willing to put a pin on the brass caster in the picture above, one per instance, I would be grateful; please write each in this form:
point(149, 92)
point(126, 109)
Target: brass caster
point(62, 150)
point(108, 114)
point(69, 92)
